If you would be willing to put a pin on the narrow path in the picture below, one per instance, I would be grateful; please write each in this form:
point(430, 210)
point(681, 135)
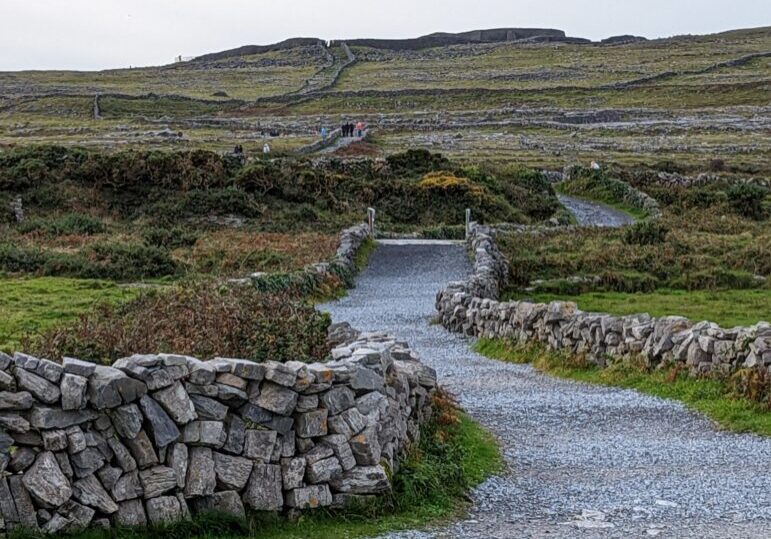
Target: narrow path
point(589, 213)
point(342, 142)
point(585, 461)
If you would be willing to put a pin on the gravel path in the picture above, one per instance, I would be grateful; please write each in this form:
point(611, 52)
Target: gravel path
point(590, 213)
point(584, 461)
point(342, 142)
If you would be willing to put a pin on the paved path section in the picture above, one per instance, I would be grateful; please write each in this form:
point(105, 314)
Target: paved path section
point(584, 461)
point(590, 213)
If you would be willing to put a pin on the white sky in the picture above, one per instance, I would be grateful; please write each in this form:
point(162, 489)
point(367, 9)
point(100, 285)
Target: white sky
point(99, 34)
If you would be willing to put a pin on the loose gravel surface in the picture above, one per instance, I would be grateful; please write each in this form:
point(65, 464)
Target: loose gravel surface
point(590, 213)
point(584, 461)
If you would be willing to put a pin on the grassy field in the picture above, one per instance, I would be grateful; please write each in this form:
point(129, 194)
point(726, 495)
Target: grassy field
point(530, 66)
point(728, 308)
point(29, 306)
point(503, 102)
point(714, 398)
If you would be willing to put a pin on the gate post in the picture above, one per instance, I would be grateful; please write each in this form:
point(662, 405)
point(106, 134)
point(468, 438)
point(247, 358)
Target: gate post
point(371, 221)
point(468, 223)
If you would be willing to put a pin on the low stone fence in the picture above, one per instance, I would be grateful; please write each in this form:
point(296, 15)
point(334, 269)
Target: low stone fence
point(153, 437)
point(625, 192)
point(343, 265)
point(321, 143)
point(471, 307)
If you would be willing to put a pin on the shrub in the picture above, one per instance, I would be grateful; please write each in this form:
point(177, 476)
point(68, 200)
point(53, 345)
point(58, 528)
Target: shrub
point(747, 200)
point(115, 261)
point(716, 278)
point(645, 233)
point(74, 223)
point(169, 238)
point(415, 162)
point(202, 320)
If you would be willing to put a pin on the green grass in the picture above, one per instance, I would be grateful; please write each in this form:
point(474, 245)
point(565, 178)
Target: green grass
point(478, 458)
point(712, 397)
point(31, 306)
point(364, 253)
point(728, 308)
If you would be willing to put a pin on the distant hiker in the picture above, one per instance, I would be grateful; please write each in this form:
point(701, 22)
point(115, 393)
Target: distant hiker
point(266, 149)
point(238, 150)
point(324, 133)
point(360, 129)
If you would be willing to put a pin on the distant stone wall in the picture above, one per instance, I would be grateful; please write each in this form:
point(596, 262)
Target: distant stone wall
point(154, 437)
point(471, 307)
point(321, 143)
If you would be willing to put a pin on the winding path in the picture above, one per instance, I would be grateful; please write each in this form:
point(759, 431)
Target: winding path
point(584, 461)
point(590, 213)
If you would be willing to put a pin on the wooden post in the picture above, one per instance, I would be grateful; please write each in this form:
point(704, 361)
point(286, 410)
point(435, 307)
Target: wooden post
point(371, 221)
point(468, 223)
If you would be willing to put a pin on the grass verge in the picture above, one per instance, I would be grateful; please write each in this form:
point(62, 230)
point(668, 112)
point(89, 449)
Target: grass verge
point(714, 398)
point(728, 308)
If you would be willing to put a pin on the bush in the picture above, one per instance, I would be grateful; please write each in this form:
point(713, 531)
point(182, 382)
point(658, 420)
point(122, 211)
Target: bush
point(74, 223)
point(415, 162)
point(202, 320)
point(645, 233)
point(717, 278)
point(169, 238)
point(747, 200)
point(114, 261)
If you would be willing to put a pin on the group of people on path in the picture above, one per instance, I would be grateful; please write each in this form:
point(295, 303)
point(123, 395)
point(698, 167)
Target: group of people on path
point(351, 130)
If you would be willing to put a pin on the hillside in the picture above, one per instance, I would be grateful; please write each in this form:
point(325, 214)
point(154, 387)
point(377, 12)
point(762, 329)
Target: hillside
point(504, 94)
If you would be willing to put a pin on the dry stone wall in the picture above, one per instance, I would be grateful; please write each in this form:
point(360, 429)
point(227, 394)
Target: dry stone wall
point(153, 437)
point(471, 307)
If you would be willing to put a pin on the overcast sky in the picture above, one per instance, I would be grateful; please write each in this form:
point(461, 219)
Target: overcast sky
point(99, 34)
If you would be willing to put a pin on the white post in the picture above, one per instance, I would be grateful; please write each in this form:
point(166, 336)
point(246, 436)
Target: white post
point(371, 221)
point(468, 222)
